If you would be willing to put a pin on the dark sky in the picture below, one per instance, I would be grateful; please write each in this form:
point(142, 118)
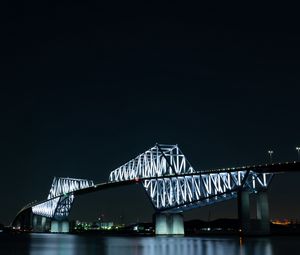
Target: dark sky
point(85, 87)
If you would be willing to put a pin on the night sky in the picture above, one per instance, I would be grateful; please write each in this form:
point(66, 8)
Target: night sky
point(85, 87)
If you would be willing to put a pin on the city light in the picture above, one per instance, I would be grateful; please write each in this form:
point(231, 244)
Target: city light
point(271, 156)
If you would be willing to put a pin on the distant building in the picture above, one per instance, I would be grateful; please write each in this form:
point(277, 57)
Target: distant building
point(106, 225)
point(284, 222)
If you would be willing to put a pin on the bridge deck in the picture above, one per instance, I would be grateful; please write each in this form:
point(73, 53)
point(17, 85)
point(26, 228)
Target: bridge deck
point(263, 168)
point(276, 168)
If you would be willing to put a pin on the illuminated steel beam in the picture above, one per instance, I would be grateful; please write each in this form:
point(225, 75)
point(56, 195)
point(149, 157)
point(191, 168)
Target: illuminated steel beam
point(160, 160)
point(60, 198)
point(173, 185)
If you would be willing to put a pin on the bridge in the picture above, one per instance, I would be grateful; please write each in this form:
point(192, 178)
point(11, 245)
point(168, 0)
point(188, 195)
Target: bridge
point(172, 185)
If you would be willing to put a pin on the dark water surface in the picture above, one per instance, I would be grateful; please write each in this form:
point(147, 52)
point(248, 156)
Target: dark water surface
point(62, 244)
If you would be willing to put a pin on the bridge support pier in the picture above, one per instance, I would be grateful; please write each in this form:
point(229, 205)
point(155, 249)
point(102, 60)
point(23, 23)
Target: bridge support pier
point(169, 224)
point(262, 206)
point(39, 223)
point(60, 226)
point(260, 226)
point(244, 211)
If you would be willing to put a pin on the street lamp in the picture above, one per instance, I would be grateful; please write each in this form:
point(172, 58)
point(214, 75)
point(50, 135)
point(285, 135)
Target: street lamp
point(271, 154)
point(298, 150)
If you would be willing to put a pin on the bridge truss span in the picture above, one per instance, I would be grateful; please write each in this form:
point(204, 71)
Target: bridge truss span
point(160, 160)
point(186, 192)
point(172, 184)
point(61, 198)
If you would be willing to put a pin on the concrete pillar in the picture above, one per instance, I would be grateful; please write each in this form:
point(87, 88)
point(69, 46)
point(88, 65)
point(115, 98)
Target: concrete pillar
point(169, 224)
point(244, 211)
point(60, 226)
point(34, 222)
point(43, 224)
point(38, 223)
point(263, 213)
point(177, 224)
point(161, 227)
point(65, 228)
point(54, 226)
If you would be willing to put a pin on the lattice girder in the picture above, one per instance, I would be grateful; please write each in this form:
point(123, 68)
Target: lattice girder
point(184, 192)
point(60, 198)
point(172, 183)
point(160, 160)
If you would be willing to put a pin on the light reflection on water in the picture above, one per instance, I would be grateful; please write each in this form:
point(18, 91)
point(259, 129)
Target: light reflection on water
point(189, 246)
point(61, 244)
point(48, 244)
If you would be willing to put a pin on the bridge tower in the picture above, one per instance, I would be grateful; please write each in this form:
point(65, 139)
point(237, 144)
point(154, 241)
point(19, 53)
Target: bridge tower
point(168, 224)
point(263, 216)
point(174, 186)
point(60, 226)
point(260, 225)
point(58, 205)
point(40, 223)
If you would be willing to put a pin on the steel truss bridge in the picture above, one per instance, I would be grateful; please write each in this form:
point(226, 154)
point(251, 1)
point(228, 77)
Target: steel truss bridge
point(170, 181)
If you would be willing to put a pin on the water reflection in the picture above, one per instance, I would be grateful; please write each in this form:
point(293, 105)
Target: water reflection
point(174, 246)
point(61, 244)
point(52, 244)
point(48, 244)
point(190, 246)
point(256, 246)
point(71, 244)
